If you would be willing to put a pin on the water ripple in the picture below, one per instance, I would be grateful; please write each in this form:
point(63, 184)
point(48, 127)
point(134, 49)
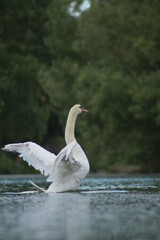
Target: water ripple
point(16, 184)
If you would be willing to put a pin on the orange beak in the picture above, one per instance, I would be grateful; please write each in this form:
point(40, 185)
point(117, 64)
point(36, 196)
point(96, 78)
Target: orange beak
point(84, 110)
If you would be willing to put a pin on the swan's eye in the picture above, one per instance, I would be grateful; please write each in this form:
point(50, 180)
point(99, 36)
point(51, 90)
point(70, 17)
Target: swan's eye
point(80, 107)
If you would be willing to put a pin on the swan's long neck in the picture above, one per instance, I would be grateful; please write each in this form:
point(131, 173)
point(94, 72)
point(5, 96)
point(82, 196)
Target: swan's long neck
point(70, 127)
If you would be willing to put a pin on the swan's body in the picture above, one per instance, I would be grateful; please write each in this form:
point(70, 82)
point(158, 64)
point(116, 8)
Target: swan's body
point(65, 170)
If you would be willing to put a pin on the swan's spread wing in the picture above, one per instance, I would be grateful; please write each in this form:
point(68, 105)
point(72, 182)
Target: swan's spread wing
point(35, 155)
point(66, 154)
point(64, 161)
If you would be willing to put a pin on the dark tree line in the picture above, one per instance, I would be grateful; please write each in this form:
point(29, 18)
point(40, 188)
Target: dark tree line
point(107, 59)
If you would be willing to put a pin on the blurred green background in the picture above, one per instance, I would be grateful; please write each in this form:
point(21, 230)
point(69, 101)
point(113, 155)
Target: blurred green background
point(106, 57)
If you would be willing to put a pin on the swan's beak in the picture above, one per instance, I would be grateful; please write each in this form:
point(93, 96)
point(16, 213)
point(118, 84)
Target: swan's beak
point(84, 110)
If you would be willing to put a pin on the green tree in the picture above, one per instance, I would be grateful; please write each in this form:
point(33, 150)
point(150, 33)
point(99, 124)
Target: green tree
point(119, 78)
point(107, 59)
point(24, 106)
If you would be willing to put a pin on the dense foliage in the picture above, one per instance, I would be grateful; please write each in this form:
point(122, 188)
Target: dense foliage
point(107, 59)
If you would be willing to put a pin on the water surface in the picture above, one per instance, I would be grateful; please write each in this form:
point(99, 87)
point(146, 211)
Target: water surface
point(108, 207)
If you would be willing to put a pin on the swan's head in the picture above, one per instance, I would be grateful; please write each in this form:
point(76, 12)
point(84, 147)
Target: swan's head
point(78, 109)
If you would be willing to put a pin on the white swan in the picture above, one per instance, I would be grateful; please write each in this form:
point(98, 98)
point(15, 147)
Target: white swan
point(65, 170)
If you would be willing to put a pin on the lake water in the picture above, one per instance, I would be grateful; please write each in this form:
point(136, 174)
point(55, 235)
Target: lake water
point(108, 207)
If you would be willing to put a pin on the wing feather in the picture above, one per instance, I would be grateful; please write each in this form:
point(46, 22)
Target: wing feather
point(47, 163)
point(64, 156)
point(35, 155)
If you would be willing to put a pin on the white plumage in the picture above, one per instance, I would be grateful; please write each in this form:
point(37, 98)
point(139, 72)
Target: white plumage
point(67, 168)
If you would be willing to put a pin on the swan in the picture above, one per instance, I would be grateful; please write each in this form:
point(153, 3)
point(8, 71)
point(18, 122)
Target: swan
point(65, 170)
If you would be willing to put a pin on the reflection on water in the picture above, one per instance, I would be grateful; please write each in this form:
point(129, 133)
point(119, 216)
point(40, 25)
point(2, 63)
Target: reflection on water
point(44, 216)
point(103, 208)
